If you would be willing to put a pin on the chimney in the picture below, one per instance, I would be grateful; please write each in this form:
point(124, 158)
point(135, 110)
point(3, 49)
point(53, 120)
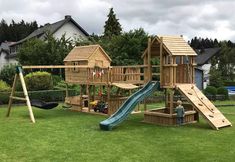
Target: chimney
point(67, 17)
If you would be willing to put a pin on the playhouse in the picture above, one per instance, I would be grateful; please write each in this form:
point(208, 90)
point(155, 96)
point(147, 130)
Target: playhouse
point(94, 72)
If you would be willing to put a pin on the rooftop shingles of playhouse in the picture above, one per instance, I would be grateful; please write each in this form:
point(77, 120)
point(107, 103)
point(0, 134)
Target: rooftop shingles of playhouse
point(84, 53)
point(176, 45)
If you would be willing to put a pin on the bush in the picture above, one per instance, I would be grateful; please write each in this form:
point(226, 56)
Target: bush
point(4, 87)
point(7, 73)
point(56, 79)
point(39, 81)
point(210, 90)
point(222, 91)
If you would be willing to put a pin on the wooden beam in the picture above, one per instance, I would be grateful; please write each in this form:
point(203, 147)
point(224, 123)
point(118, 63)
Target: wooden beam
point(161, 61)
point(26, 97)
point(12, 94)
point(149, 60)
point(18, 98)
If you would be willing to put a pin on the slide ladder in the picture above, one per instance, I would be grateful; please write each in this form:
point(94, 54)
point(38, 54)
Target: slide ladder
point(204, 106)
point(129, 105)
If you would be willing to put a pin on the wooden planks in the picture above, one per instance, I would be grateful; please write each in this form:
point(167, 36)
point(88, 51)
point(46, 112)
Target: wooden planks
point(201, 103)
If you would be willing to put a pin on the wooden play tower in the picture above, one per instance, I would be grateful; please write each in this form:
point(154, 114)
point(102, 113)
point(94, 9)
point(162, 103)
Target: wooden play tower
point(177, 63)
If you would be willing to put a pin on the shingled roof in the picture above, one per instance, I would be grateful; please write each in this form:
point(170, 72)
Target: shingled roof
point(84, 53)
point(205, 55)
point(173, 45)
point(52, 28)
point(176, 45)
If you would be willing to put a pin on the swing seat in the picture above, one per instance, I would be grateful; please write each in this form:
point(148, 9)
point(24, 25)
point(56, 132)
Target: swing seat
point(43, 105)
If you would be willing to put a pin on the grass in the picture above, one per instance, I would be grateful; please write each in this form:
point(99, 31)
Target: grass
point(61, 135)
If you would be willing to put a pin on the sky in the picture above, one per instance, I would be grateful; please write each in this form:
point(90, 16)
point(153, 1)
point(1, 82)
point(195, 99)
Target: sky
point(190, 18)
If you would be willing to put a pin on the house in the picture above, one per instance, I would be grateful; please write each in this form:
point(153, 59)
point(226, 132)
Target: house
point(67, 26)
point(5, 57)
point(203, 61)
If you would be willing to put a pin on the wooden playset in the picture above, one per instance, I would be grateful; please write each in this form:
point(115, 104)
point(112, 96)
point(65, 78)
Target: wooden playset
point(90, 67)
point(177, 62)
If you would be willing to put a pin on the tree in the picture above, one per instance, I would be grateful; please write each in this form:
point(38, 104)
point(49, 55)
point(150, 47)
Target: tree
point(216, 79)
point(49, 52)
point(127, 48)
point(16, 31)
point(112, 26)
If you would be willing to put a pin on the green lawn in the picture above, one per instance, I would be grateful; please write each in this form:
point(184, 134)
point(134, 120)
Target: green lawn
point(61, 135)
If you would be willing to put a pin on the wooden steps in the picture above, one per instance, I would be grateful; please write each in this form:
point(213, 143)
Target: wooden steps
point(204, 106)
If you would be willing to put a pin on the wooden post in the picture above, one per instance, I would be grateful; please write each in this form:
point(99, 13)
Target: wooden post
point(108, 98)
point(171, 100)
point(93, 97)
point(193, 69)
point(66, 91)
point(145, 105)
point(12, 94)
point(89, 97)
point(146, 67)
point(171, 71)
point(161, 61)
point(26, 95)
point(149, 60)
point(174, 71)
point(81, 99)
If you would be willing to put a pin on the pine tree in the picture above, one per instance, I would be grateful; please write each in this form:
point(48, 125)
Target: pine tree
point(112, 26)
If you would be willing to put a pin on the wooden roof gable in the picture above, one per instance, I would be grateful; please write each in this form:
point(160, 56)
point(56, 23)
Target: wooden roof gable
point(84, 53)
point(173, 45)
point(176, 45)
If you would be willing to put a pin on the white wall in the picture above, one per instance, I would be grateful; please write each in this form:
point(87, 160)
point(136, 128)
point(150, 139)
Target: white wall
point(70, 30)
point(206, 70)
point(4, 61)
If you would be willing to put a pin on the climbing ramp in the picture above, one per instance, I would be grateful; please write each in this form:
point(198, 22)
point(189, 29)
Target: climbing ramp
point(203, 105)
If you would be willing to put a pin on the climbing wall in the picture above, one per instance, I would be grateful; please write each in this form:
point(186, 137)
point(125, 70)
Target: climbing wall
point(201, 103)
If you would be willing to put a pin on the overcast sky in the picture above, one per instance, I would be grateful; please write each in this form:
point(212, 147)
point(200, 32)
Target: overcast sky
point(204, 18)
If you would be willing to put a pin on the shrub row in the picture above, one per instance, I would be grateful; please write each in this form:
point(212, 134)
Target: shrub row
point(45, 95)
point(212, 91)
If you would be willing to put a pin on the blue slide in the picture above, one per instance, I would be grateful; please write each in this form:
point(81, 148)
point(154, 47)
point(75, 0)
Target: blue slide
point(129, 105)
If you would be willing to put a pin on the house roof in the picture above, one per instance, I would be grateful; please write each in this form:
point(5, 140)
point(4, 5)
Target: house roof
point(5, 47)
point(52, 28)
point(173, 45)
point(84, 53)
point(205, 55)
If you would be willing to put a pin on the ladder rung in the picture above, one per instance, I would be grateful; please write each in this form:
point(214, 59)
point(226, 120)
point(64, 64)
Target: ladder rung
point(18, 98)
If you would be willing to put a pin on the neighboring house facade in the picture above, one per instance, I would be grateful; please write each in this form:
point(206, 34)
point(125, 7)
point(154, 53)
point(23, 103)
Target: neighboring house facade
point(199, 78)
point(203, 61)
point(67, 26)
point(5, 57)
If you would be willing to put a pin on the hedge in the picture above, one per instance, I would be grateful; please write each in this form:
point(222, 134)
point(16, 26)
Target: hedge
point(45, 95)
point(229, 83)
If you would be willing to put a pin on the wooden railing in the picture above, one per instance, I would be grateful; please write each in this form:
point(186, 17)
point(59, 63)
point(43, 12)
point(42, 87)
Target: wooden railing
point(114, 74)
point(135, 74)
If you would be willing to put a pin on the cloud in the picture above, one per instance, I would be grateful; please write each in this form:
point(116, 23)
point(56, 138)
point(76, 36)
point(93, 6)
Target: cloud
point(205, 18)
